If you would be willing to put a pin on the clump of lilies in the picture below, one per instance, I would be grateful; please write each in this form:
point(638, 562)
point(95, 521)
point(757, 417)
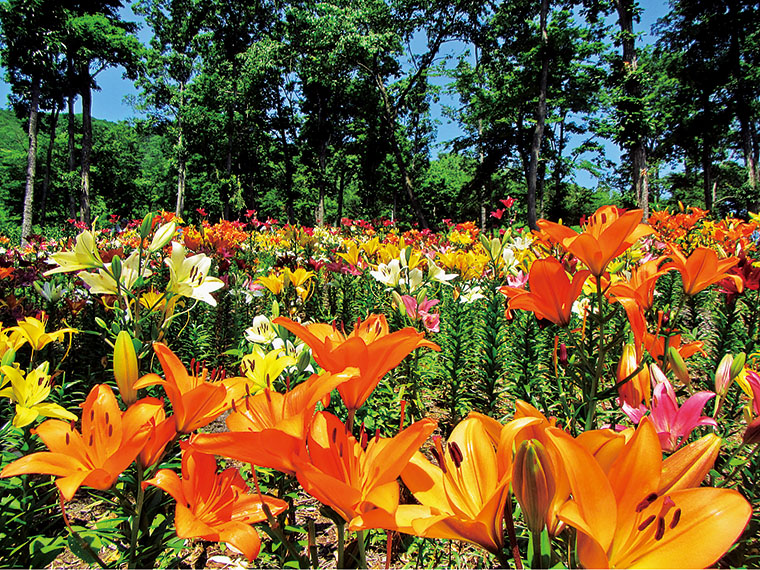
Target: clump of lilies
point(577, 493)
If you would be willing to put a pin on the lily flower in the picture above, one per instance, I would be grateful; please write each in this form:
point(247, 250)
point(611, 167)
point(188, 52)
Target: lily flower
point(551, 294)
point(262, 368)
point(195, 401)
point(388, 274)
point(189, 275)
point(298, 279)
point(109, 441)
point(274, 283)
point(354, 477)
point(269, 429)
point(702, 268)
point(32, 330)
point(641, 285)
point(673, 424)
point(623, 520)
point(29, 394)
point(261, 331)
point(103, 281)
point(84, 256)
point(215, 506)
point(607, 234)
point(370, 347)
point(461, 497)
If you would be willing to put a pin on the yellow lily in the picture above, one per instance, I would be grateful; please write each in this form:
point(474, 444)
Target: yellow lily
point(275, 283)
point(461, 498)
point(352, 253)
point(262, 368)
point(32, 330)
point(299, 278)
point(29, 393)
point(624, 519)
point(84, 256)
point(125, 367)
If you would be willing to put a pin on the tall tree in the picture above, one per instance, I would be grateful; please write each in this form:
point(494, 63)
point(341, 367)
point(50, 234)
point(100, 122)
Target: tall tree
point(171, 64)
point(31, 54)
point(96, 38)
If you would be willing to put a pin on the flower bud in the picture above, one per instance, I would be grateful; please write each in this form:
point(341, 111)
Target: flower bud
point(638, 386)
point(533, 483)
point(563, 354)
point(678, 366)
point(125, 368)
point(723, 375)
point(162, 236)
point(738, 365)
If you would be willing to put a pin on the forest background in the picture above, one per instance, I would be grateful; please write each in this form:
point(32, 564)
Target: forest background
point(310, 112)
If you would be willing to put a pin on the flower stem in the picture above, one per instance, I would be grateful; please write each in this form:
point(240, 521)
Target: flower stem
point(361, 535)
point(340, 527)
point(591, 397)
point(511, 534)
point(136, 518)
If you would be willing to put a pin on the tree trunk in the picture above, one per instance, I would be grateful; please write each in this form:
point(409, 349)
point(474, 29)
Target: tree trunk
point(84, 194)
point(538, 131)
point(181, 160)
point(31, 160)
point(341, 189)
point(72, 143)
point(632, 139)
point(288, 165)
point(49, 163)
point(706, 158)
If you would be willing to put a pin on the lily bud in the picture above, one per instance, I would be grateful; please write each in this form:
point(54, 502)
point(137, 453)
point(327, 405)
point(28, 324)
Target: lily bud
point(723, 375)
point(678, 366)
point(638, 387)
point(533, 483)
point(738, 365)
point(398, 302)
point(688, 467)
point(162, 236)
point(125, 368)
point(562, 355)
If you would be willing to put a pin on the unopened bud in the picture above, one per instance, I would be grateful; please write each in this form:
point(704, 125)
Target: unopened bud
point(723, 375)
point(738, 365)
point(533, 483)
point(637, 387)
point(678, 366)
point(562, 354)
point(125, 367)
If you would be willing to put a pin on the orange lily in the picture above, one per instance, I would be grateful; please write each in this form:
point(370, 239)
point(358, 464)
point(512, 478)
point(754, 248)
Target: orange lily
point(110, 440)
point(370, 347)
point(215, 506)
point(702, 268)
point(356, 478)
point(269, 429)
point(639, 386)
point(641, 285)
point(551, 294)
point(528, 424)
point(195, 401)
point(624, 519)
point(462, 497)
point(608, 233)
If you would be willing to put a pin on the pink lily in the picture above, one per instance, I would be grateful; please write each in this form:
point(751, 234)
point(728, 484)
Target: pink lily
point(673, 424)
point(431, 321)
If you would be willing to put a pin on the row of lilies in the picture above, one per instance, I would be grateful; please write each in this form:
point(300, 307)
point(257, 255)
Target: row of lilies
point(528, 488)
